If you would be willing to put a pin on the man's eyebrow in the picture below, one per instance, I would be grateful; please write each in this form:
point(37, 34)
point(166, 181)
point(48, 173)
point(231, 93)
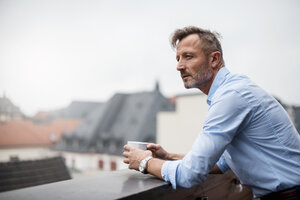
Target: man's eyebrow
point(187, 52)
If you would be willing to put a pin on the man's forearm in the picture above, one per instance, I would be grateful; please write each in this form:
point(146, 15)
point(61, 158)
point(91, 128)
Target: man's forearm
point(174, 156)
point(154, 167)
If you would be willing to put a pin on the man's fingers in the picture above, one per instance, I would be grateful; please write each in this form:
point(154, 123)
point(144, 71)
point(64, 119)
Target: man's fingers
point(152, 146)
point(126, 154)
point(127, 147)
point(126, 160)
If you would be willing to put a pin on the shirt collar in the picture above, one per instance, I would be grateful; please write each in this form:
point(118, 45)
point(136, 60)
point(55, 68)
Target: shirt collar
point(219, 79)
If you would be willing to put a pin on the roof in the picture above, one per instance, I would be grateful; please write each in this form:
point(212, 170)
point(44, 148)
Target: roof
point(20, 174)
point(8, 109)
point(124, 117)
point(26, 133)
point(76, 110)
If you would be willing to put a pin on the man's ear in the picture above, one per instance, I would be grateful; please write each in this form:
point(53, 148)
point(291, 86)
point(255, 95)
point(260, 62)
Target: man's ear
point(215, 59)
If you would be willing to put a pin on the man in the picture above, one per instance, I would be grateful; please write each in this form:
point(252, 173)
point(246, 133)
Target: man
point(246, 129)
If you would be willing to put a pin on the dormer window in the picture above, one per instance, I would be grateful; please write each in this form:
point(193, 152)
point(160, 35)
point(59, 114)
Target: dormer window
point(75, 144)
point(112, 146)
point(99, 145)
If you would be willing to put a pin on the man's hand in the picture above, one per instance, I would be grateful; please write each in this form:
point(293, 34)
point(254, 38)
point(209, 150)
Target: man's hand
point(157, 151)
point(134, 156)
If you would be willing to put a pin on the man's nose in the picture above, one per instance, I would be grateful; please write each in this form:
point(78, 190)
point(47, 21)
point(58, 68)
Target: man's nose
point(180, 66)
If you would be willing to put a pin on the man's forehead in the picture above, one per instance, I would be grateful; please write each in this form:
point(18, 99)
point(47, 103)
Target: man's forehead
point(189, 42)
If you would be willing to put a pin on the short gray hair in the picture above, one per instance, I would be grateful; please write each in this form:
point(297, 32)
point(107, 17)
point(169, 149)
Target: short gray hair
point(210, 42)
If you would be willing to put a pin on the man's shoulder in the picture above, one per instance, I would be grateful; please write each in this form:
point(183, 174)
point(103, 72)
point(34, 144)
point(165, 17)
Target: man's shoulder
point(239, 89)
point(234, 83)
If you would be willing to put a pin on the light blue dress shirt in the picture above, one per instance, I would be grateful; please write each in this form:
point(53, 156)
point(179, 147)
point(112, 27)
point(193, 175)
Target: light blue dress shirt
point(246, 130)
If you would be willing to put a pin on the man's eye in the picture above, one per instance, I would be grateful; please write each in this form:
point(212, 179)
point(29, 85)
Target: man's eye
point(189, 56)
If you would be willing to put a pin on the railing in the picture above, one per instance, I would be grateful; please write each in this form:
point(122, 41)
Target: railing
point(129, 184)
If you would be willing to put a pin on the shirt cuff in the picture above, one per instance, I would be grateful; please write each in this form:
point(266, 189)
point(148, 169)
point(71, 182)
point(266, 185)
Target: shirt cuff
point(168, 171)
point(222, 164)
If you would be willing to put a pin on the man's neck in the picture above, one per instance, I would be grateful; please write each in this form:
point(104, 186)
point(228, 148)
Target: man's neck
point(205, 89)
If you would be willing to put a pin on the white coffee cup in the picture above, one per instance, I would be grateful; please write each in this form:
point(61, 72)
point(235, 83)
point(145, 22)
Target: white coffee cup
point(138, 145)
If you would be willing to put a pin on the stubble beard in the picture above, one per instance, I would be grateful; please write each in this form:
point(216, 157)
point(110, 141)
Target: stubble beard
point(200, 79)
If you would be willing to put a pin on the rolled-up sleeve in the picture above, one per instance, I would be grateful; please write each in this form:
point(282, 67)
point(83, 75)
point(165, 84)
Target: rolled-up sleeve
point(223, 122)
point(222, 164)
point(168, 171)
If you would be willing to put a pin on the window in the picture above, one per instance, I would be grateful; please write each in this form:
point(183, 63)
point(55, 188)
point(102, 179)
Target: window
point(112, 146)
point(99, 145)
point(113, 165)
point(101, 164)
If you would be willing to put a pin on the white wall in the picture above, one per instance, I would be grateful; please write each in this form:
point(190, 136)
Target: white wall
point(176, 131)
point(89, 162)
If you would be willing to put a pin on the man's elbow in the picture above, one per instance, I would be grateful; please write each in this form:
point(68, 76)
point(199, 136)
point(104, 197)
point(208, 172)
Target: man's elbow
point(191, 180)
point(216, 170)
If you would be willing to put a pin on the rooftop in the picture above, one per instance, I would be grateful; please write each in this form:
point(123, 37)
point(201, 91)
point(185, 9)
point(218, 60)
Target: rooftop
point(26, 133)
point(122, 118)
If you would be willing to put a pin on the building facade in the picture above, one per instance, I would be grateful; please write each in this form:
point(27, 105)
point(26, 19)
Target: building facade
point(176, 131)
point(100, 138)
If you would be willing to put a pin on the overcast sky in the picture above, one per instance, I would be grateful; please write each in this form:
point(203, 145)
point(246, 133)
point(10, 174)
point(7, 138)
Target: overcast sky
point(56, 51)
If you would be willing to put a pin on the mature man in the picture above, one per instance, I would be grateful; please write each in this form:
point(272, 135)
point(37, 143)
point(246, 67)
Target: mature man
point(246, 129)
